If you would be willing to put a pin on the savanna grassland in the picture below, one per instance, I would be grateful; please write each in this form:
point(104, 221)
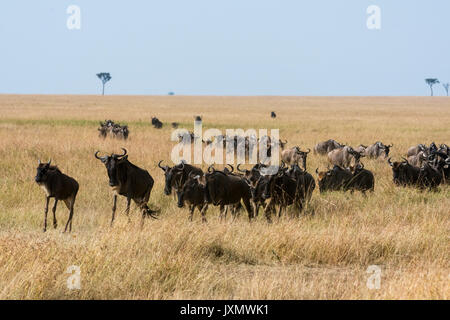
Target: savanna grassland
point(324, 254)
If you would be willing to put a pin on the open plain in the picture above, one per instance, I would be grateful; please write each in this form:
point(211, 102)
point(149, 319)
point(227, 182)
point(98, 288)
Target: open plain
point(324, 254)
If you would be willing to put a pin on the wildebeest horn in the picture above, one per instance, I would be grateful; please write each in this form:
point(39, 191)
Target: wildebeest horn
point(102, 159)
point(309, 150)
point(163, 168)
point(211, 169)
point(124, 154)
point(232, 168)
point(317, 170)
point(239, 169)
point(405, 160)
point(285, 141)
point(390, 162)
point(49, 161)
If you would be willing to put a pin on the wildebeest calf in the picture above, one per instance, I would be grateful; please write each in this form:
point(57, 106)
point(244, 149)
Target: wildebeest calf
point(59, 186)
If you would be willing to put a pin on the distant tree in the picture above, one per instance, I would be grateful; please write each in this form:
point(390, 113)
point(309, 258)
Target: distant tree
point(446, 87)
point(431, 82)
point(105, 77)
point(171, 93)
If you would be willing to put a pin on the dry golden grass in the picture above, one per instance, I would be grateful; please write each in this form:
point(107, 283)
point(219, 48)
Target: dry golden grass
point(322, 255)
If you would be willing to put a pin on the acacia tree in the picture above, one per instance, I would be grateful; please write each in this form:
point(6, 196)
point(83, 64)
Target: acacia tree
point(446, 87)
point(105, 77)
point(431, 82)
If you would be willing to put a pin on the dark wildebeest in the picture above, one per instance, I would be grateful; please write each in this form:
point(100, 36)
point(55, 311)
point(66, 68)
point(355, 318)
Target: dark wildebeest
point(334, 180)
point(128, 180)
point(59, 186)
point(273, 115)
point(344, 156)
point(193, 192)
point(294, 155)
point(257, 183)
point(362, 180)
point(429, 176)
point(305, 183)
point(198, 118)
point(325, 147)
point(281, 190)
point(441, 161)
point(223, 189)
point(156, 123)
point(378, 149)
point(404, 173)
point(175, 125)
point(176, 176)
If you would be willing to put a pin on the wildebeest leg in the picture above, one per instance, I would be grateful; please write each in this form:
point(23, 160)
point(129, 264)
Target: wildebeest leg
point(203, 212)
point(249, 208)
point(221, 212)
point(268, 211)
point(47, 200)
point(69, 203)
point(256, 209)
point(114, 208)
point(55, 224)
point(192, 209)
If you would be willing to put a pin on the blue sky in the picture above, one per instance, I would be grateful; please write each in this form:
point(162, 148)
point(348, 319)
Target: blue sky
point(218, 47)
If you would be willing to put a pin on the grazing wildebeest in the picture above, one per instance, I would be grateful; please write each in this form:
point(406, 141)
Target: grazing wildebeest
point(194, 193)
point(176, 176)
point(128, 180)
point(59, 186)
point(404, 173)
point(378, 149)
point(362, 180)
point(114, 130)
point(344, 156)
point(325, 147)
point(416, 149)
point(334, 180)
point(156, 123)
point(224, 189)
point(294, 155)
point(273, 115)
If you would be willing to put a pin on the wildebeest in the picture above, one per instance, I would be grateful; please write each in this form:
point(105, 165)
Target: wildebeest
point(404, 174)
point(376, 150)
point(114, 130)
point(128, 180)
point(294, 156)
point(273, 115)
point(429, 176)
point(325, 147)
point(59, 186)
point(156, 123)
point(176, 176)
point(414, 150)
point(334, 180)
point(175, 125)
point(344, 156)
point(305, 183)
point(198, 118)
point(363, 180)
point(280, 189)
point(194, 193)
point(418, 159)
point(224, 189)
point(361, 149)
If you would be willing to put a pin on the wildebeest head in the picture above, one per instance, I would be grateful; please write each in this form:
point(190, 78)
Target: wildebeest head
point(171, 176)
point(303, 155)
point(41, 171)
point(386, 149)
point(112, 163)
point(273, 114)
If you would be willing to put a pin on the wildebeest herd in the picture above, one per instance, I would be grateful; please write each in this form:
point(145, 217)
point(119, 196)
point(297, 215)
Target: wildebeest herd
point(289, 184)
point(114, 130)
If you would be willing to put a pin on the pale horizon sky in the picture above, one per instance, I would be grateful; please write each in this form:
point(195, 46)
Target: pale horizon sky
point(246, 47)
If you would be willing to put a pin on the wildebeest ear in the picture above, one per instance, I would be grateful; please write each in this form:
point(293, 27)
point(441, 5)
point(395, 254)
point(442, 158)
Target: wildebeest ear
point(124, 158)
